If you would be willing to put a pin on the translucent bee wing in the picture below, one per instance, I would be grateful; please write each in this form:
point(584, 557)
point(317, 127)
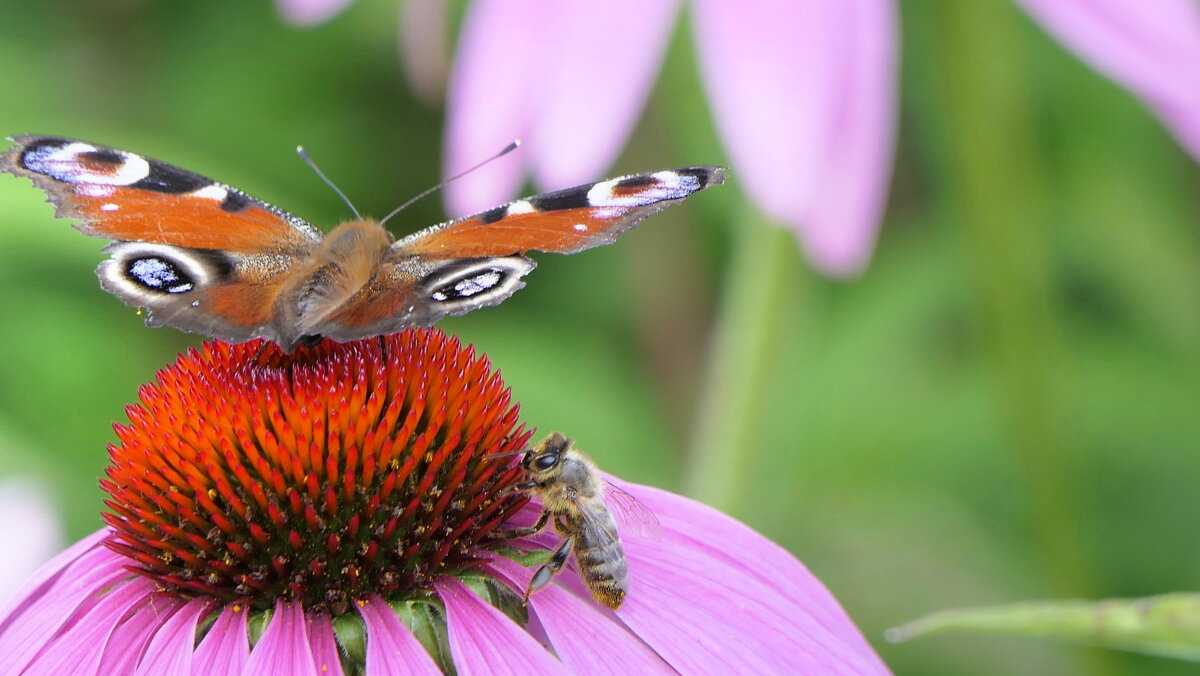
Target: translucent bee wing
point(598, 523)
point(633, 518)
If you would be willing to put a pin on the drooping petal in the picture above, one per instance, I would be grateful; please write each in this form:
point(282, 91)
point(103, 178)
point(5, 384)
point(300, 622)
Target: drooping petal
point(284, 647)
point(82, 647)
point(391, 647)
point(130, 641)
point(593, 79)
point(702, 556)
point(750, 628)
point(226, 647)
point(324, 645)
point(607, 647)
point(490, 94)
point(1150, 48)
point(484, 641)
point(172, 649)
point(839, 233)
point(766, 67)
point(26, 510)
point(36, 618)
point(309, 12)
point(712, 536)
point(803, 97)
point(48, 575)
point(123, 649)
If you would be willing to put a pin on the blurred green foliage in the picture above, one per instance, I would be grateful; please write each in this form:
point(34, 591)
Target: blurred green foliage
point(1003, 407)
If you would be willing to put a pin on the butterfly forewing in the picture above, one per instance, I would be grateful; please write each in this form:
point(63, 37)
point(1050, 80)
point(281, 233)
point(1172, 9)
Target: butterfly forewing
point(122, 196)
point(563, 221)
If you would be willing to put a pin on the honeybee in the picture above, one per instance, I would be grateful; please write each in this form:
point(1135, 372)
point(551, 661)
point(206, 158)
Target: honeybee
point(572, 491)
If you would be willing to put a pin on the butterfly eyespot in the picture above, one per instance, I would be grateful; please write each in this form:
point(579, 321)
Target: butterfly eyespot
point(476, 283)
point(144, 273)
point(81, 163)
point(159, 274)
point(471, 286)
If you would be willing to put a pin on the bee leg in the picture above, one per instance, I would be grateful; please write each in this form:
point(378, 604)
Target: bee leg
point(544, 574)
point(528, 530)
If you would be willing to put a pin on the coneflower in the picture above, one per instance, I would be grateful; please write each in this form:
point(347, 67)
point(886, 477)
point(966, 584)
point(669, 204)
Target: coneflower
point(346, 509)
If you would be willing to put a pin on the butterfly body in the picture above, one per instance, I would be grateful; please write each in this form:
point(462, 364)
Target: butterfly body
point(204, 257)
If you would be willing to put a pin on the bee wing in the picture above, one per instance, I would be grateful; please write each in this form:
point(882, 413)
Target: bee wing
point(633, 517)
point(599, 523)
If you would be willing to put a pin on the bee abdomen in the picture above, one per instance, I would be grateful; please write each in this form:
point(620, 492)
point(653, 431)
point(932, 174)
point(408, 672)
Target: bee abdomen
point(603, 570)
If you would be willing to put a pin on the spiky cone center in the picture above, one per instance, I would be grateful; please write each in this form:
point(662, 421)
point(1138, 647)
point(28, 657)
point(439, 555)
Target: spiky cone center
point(336, 472)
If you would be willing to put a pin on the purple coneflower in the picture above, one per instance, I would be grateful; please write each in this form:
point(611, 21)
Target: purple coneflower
point(344, 510)
point(802, 93)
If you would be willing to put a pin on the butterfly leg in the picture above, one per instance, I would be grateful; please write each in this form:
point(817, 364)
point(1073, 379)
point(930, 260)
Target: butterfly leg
point(544, 574)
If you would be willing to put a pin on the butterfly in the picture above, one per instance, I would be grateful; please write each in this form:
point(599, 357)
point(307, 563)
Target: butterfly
point(204, 257)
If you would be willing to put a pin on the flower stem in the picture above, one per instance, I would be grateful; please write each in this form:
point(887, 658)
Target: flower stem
point(743, 346)
point(991, 170)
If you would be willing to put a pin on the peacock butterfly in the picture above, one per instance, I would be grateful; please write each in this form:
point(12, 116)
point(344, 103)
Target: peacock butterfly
point(207, 258)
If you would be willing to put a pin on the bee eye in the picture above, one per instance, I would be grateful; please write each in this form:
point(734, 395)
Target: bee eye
point(547, 461)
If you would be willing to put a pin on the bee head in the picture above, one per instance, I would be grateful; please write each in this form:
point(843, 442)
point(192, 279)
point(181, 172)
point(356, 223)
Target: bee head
point(545, 458)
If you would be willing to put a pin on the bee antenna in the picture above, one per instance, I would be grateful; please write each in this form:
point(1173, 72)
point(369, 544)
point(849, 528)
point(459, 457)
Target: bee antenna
point(507, 149)
point(300, 150)
point(507, 455)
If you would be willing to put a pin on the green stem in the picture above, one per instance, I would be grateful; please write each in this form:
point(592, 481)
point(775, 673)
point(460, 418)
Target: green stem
point(991, 169)
point(741, 357)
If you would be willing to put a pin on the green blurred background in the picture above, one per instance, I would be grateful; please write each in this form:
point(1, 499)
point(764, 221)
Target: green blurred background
point(1003, 407)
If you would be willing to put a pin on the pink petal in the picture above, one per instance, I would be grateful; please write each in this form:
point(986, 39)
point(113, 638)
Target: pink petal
point(324, 645)
point(28, 515)
point(803, 97)
point(1150, 48)
point(47, 576)
point(124, 648)
point(852, 191)
point(55, 603)
point(309, 12)
point(226, 648)
point(174, 644)
point(81, 648)
point(284, 647)
point(676, 596)
point(713, 536)
point(423, 48)
point(588, 640)
point(490, 96)
point(484, 641)
point(766, 67)
point(597, 66)
point(391, 647)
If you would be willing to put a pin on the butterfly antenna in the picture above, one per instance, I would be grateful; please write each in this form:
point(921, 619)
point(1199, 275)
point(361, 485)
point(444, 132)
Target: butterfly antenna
point(507, 149)
point(313, 165)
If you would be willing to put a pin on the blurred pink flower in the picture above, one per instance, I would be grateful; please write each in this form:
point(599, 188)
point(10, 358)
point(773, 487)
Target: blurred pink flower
point(28, 516)
point(802, 92)
point(310, 12)
point(1150, 48)
point(353, 493)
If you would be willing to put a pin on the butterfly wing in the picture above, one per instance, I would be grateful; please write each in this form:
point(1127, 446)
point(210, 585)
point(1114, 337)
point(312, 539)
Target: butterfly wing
point(201, 256)
point(564, 221)
point(463, 265)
